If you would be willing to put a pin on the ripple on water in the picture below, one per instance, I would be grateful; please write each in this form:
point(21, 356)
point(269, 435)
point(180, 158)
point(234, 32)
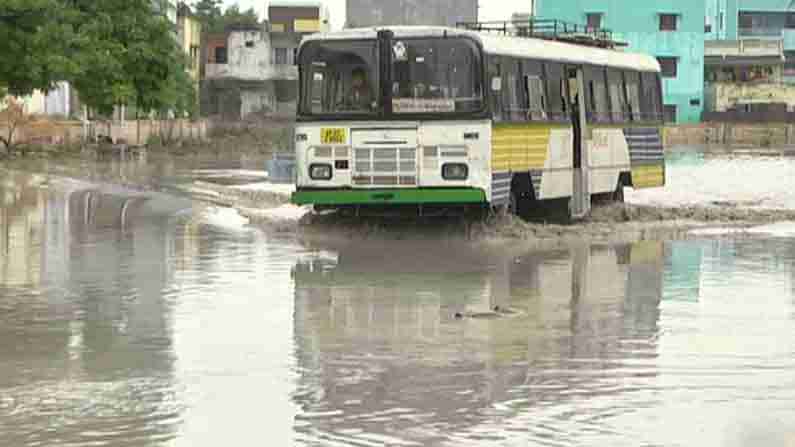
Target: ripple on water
point(166, 331)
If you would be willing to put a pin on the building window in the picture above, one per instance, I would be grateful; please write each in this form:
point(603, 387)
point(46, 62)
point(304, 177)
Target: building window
point(668, 66)
point(249, 44)
point(746, 21)
point(669, 113)
point(707, 24)
point(720, 21)
point(594, 20)
point(220, 55)
point(194, 57)
point(668, 22)
point(790, 23)
point(280, 56)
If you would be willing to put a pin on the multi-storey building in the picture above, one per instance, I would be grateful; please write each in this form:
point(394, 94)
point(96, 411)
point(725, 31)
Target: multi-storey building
point(671, 30)
point(366, 13)
point(189, 32)
point(750, 58)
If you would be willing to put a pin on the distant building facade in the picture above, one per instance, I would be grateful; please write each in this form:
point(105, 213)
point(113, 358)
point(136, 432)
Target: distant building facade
point(671, 30)
point(749, 57)
point(189, 33)
point(290, 21)
point(366, 13)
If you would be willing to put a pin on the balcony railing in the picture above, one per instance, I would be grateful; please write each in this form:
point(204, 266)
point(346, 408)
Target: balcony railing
point(272, 72)
point(745, 47)
point(760, 32)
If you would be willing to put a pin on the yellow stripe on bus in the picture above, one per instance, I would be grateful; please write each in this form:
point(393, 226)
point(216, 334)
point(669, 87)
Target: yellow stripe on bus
point(646, 252)
point(519, 148)
point(648, 176)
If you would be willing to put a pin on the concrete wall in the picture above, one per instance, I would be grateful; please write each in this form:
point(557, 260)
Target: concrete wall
point(364, 13)
point(638, 24)
point(63, 132)
point(287, 18)
point(250, 57)
point(727, 94)
point(249, 54)
point(772, 135)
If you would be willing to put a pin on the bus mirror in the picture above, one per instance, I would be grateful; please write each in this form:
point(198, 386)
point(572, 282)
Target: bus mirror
point(496, 83)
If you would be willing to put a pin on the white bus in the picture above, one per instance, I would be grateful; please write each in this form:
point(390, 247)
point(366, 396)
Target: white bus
point(433, 117)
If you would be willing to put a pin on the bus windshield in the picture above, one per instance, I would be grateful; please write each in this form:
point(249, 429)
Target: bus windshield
point(340, 78)
point(428, 76)
point(436, 76)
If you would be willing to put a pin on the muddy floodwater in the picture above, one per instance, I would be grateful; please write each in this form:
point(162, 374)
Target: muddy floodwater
point(134, 318)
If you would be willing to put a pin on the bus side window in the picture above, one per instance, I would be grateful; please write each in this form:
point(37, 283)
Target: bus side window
point(632, 87)
point(618, 99)
point(533, 99)
point(596, 95)
point(536, 105)
point(512, 109)
point(555, 92)
point(650, 106)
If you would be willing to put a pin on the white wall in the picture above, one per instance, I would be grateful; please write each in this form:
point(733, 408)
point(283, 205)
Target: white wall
point(253, 62)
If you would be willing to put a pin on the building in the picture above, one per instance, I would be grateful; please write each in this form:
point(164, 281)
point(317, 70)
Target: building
point(671, 30)
point(749, 59)
point(366, 13)
point(290, 21)
point(189, 32)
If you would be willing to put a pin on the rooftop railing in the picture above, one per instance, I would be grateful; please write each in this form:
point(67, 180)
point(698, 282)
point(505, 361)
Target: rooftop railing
point(550, 29)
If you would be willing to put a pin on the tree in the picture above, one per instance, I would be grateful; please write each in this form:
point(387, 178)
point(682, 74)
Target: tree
point(12, 118)
point(133, 59)
point(215, 21)
point(35, 44)
point(209, 13)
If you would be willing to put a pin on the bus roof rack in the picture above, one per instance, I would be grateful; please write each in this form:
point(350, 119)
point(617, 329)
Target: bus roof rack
point(549, 29)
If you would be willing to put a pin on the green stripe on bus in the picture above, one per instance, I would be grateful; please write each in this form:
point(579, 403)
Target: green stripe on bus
point(388, 196)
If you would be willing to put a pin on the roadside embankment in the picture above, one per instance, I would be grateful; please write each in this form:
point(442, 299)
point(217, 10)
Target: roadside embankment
point(726, 134)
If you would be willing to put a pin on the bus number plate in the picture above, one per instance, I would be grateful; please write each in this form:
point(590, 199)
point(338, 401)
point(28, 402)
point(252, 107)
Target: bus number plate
point(333, 135)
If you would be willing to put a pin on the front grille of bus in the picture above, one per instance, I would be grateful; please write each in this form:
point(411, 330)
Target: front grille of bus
point(385, 166)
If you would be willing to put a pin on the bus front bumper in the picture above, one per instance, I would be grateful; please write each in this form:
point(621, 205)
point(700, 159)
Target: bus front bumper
point(395, 196)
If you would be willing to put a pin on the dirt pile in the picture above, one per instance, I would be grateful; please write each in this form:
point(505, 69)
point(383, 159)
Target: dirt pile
point(715, 212)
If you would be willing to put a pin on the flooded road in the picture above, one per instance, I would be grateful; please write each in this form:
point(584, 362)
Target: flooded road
point(128, 319)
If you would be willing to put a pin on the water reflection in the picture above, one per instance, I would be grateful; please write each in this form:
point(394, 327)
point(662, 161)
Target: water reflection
point(87, 350)
point(384, 357)
point(124, 321)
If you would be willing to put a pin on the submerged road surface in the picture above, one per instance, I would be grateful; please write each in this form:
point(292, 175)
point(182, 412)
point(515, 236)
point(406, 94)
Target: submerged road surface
point(128, 320)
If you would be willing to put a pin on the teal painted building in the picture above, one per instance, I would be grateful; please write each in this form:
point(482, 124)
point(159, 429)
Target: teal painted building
point(671, 30)
point(755, 19)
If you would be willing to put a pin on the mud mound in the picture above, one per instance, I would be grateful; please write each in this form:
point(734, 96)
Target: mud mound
point(716, 212)
point(238, 198)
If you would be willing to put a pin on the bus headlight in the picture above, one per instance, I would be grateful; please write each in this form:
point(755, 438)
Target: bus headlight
point(455, 171)
point(320, 171)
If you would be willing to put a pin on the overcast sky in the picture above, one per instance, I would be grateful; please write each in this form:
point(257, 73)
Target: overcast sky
point(489, 10)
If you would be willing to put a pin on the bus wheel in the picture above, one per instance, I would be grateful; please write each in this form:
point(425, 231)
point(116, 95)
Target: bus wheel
point(522, 196)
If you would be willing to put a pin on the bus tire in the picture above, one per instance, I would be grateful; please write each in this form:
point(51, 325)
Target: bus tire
point(522, 196)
